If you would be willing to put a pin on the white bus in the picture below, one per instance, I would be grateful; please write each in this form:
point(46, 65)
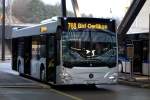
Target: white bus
point(67, 51)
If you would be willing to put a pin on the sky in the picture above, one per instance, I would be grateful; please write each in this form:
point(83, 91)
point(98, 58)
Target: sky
point(98, 8)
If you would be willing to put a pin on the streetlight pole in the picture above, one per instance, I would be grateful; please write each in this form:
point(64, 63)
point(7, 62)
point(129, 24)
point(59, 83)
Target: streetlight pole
point(63, 8)
point(3, 32)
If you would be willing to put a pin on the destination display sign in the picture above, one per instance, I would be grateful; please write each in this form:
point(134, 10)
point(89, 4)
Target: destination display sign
point(72, 23)
point(79, 25)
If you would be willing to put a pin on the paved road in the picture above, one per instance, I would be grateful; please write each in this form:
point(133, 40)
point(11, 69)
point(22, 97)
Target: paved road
point(14, 87)
point(117, 92)
point(109, 92)
point(11, 80)
point(32, 94)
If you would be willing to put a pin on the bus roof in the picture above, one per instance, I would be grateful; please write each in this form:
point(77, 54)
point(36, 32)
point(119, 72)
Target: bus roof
point(39, 29)
point(50, 25)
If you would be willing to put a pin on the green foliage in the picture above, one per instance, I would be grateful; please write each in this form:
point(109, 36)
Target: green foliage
point(35, 10)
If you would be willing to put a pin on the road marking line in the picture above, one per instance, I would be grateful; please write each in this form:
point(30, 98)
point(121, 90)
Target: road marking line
point(65, 94)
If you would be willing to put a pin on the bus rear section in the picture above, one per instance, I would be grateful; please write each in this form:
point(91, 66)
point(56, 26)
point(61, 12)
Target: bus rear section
point(68, 51)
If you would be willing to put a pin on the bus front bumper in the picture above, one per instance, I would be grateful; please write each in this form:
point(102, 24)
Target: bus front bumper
point(86, 75)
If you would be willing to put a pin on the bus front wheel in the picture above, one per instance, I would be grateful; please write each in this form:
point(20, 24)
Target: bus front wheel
point(42, 74)
point(120, 67)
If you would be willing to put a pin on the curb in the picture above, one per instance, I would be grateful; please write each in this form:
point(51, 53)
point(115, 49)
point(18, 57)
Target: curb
point(21, 86)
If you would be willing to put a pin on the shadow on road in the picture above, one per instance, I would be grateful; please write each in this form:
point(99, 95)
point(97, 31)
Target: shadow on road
point(80, 88)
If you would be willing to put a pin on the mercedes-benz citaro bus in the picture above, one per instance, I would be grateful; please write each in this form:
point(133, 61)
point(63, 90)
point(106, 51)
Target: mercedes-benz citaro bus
point(67, 51)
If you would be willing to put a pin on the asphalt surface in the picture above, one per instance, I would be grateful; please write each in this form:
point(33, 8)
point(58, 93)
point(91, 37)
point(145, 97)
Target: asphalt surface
point(30, 94)
point(10, 78)
point(15, 87)
point(108, 92)
point(117, 92)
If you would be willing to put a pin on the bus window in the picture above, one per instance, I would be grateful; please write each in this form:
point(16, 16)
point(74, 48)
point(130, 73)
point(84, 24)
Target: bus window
point(51, 47)
point(43, 47)
point(35, 50)
point(43, 50)
point(21, 49)
point(51, 70)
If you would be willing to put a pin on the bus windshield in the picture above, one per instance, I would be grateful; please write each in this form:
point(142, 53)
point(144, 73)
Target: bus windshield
point(89, 48)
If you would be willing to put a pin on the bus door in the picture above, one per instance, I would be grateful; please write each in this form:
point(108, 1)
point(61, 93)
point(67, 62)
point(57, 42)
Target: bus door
point(27, 55)
point(35, 56)
point(138, 56)
point(20, 55)
point(51, 59)
point(14, 54)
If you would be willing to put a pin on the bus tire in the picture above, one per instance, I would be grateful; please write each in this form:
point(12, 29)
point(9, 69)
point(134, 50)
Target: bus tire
point(42, 73)
point(120, 67)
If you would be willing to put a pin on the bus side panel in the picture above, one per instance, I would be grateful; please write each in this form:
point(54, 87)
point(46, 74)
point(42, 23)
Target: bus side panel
point(14, 54)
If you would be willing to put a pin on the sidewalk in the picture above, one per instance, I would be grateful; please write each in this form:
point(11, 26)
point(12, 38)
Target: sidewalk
point(136, 80)
point(5, 66)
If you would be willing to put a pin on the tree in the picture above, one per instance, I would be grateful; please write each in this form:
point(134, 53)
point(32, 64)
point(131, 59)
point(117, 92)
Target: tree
point(20, 9)
point(34, 11)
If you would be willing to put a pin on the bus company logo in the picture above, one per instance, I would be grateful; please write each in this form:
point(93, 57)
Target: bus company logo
point(90, 52)
point(91, 75)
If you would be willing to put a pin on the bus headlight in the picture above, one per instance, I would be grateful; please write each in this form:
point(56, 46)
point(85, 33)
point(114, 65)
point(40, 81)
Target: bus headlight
point(66, 76)
point(113, 77)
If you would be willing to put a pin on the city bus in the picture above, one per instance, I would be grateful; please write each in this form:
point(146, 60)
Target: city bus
point(141, 54)
point(67, 51)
